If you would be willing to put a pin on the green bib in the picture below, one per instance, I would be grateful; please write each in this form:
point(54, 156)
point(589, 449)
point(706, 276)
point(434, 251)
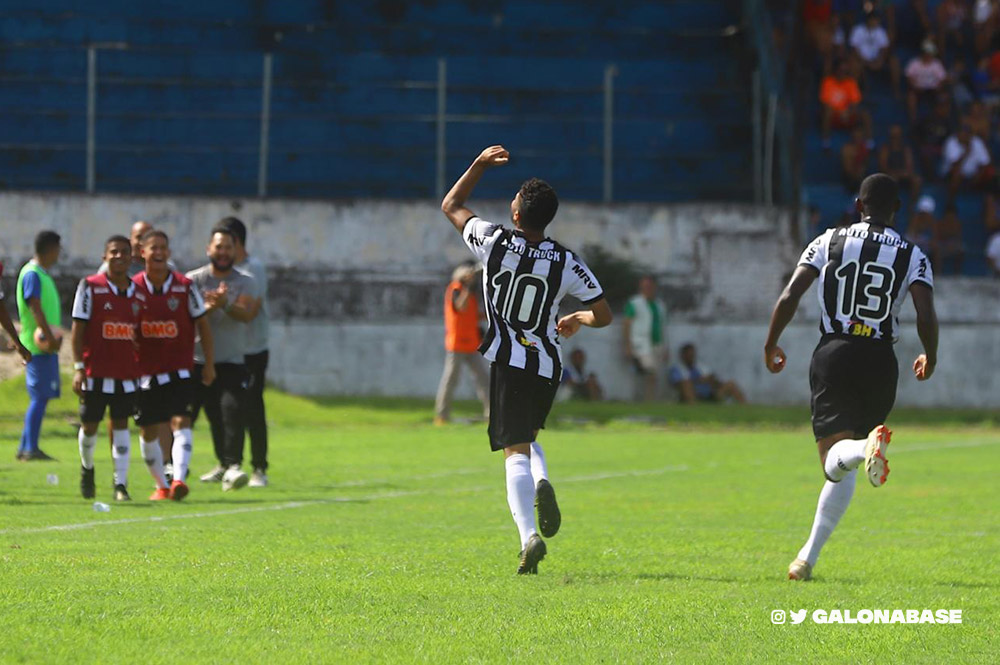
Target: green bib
point(50, 306)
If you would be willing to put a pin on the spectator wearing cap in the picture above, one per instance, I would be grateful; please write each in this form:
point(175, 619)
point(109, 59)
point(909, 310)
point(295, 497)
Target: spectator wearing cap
point(896, 159)
point(921, 228)
point(966, 161)
point(841, 99)
point(926, 77)
point(870, 43)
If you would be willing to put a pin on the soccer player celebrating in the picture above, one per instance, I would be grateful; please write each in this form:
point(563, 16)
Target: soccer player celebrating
point(170, 312)
point(526, 277)
point(106, 365)
point(865, 271)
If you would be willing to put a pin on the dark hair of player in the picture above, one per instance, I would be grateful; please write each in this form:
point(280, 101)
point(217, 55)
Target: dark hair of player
point(148, 236)
point(880, 196)
point(238, 228)
point(46, 240)
point(224, 230)
point(116, 238)
point(538, 204)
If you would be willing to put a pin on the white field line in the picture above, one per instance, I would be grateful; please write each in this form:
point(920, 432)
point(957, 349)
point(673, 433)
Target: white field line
point(289, 505)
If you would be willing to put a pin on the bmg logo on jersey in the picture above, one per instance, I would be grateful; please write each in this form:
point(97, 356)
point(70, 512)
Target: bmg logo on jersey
point(117, 331)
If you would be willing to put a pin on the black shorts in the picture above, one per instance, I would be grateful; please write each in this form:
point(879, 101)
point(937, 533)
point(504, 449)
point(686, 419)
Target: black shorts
point(520, 402)
point(120, 404)
point(853, 385)
point(160, 403)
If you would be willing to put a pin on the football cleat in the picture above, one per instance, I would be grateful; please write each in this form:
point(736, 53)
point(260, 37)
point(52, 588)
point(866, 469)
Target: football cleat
point(234, 478)
point(168, 472)
point(87, 489)
point(121, 494)
point(800, 570)
point(876, 465)
point(549, 517)
point(213, 476)
point(178, 490)
point(530, 556)
point(160, 494)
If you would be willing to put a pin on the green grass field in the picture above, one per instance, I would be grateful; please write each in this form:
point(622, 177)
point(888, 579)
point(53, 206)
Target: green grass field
point(385, 539)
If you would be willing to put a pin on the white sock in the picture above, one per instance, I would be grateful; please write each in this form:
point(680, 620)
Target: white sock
point(833, 502)
point(87, 445)
point(121, 449)
point(844, 457)
point(521, 495)
point(154, 461)
point(181, 453)
point(539, 469)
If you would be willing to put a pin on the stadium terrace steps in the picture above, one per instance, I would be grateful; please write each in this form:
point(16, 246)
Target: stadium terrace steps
point(353, 82)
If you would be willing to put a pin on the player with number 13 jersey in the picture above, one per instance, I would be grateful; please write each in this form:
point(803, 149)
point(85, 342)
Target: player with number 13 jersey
point(865, 272)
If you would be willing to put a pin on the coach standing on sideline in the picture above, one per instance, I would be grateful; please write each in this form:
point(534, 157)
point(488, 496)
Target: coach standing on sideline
point(40, 310)
point(232, 301)
point(257, 355)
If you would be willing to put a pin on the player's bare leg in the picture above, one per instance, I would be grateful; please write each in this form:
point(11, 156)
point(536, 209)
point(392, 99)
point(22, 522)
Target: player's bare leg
point(521, 499)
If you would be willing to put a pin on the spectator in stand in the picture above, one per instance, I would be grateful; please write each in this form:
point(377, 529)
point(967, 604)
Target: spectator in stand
point(926, 77)
point(952, 19)
point(993, 254)
point(697, 383)
point(978, 118)
point(930, 134)
point(896, 159)
point(841, 100)
point(645, 336)
point(913, 24)
point(820, 25)
point(920, 231)
point(578, 383)
point(966, 161)
point(984, 24)
point(870, 43)
point(985, 84)
point(948, 249)
point(854, 160)
point(963, 84)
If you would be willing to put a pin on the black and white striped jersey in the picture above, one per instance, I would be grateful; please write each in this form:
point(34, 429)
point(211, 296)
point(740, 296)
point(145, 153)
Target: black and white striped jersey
point(865, 271)
point(523, 285)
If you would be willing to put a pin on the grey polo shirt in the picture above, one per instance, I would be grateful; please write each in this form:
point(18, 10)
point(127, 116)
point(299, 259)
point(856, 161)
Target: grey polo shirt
point(229, 336)
point(259, 328)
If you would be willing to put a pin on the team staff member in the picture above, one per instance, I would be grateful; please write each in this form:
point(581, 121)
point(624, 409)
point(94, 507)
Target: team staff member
point(461, 343)
point(8, 325)
point(106, 362)
point(258, 331)
point(171, 310)
point(865, 271)
point(41, 315)
point(232, 301)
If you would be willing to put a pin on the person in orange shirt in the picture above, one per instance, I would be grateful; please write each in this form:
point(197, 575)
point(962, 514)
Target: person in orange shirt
point(461, 343)
point(841, 100)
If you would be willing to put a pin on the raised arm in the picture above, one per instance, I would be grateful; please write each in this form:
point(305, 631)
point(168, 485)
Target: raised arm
point(927, 329)
point(784, 310)
point(453, 205)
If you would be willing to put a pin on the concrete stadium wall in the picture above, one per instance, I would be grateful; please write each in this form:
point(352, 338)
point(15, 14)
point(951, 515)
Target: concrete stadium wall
point(356, 288)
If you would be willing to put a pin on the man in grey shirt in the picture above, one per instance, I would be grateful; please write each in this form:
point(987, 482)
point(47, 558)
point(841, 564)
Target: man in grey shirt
point(231, 299)
point(257, 355)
